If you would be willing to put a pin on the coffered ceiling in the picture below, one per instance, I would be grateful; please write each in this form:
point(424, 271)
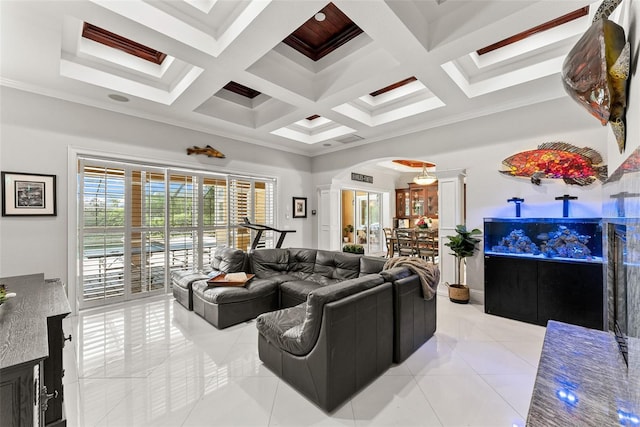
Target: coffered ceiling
point(270, 73)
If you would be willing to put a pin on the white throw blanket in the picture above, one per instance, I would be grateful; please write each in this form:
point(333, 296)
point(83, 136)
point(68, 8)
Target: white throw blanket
point(429, 273)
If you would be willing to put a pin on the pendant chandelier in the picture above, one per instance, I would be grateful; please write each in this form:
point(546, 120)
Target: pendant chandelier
point(425, 178)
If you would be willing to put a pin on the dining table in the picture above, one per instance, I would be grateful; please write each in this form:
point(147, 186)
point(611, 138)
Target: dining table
point(421, 242)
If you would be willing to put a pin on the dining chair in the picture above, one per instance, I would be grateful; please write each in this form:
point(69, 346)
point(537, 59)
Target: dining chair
point(406, 242)
point(426, 245)
point(392, 244)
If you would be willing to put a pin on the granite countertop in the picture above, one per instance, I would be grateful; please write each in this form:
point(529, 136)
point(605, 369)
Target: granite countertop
point(582, 380)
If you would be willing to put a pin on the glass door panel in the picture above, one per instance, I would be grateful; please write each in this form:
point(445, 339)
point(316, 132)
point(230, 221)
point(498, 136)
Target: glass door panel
point(102, 267)
point(375, 220)
point(363, 210)
point(214, 217)
point(347, 216)
point(183, 220)
point(147, 238)
point(362, 218)
point(101, 234)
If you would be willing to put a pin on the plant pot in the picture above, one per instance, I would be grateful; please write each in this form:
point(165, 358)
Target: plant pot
point(346, 239)
point(459, 293)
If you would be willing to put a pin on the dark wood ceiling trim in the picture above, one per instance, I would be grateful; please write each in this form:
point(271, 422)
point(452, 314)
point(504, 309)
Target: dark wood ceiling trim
point(316, 39)
point(317, 53)
point(241, 90)
point(107, 38)
point(538, 29)
point(414, 163)
point(393, 86)
point(315, 116)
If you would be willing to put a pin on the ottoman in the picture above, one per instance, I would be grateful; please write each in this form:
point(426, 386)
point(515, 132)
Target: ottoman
point(181, 282)
point(223, 306)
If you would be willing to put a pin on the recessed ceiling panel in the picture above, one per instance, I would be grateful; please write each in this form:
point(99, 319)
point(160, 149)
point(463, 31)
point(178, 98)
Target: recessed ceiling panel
point(323, 33)
point(248, 112)
point(396, 101)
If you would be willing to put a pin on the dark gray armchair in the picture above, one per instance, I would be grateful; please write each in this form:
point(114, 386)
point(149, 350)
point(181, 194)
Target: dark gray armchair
point(333, 345)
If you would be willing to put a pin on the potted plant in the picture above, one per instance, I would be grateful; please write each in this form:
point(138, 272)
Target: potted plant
point(347, 230)
point(462, 245)
point(354, 249)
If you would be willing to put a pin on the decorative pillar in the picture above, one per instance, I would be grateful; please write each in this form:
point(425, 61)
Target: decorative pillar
point(450, 214)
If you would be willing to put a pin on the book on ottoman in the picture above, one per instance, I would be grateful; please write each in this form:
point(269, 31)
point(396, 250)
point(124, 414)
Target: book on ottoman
point(230, 279)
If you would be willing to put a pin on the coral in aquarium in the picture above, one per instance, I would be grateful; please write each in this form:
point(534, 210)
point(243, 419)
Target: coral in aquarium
point(565, 243)
point(516, 243)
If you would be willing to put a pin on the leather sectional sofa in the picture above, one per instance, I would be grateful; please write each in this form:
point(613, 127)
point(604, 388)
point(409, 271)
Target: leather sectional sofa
point(329, 322)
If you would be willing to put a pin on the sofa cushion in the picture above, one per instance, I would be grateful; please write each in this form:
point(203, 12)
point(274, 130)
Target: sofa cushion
point(299, 289)
point(302, 260)
point(229, 260)
point(337, 265)
point(298, 333)
point(371, 265)
point(269, 262)
point(281, 325)
point(184, 278)
point(253, 289)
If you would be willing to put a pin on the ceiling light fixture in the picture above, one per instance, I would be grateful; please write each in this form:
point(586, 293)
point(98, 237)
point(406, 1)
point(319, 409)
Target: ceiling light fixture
point(320, 16)
point(425, 178)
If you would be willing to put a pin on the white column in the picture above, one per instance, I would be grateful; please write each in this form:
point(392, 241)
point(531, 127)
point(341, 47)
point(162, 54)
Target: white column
point(324, 218)
point(450, 214)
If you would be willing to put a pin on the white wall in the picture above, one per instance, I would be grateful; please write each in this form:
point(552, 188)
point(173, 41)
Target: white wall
point(37, 132)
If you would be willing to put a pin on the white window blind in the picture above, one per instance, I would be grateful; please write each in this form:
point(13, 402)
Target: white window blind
point(215, 215)
point(137, 223)
point(147, 248)
point(102, 193)
point(252, 199)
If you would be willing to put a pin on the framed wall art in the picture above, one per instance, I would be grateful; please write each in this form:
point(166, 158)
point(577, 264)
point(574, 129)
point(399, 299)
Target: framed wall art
point(28, 194)
point(299, 207)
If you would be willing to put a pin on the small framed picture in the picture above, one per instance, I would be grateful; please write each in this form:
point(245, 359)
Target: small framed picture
point(299, 207)
point(28, 194)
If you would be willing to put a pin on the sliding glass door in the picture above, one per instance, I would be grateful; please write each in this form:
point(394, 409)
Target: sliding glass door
point(137, 223)
point(361, 219)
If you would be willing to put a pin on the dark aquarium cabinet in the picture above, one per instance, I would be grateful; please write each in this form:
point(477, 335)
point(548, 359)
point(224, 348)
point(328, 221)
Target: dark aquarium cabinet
point(541, 269)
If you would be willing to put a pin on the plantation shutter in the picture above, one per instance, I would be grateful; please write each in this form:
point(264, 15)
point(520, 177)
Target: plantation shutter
point(240, 207)
point(215, 215)
point(184, 220)
point(102, 231)
point(147, 236)
point(264, 212)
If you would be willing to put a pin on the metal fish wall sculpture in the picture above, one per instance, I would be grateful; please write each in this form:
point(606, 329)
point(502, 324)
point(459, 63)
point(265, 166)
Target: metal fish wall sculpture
point(559, 160)
point(630, 165)
point(208, 150)
point(596, 70)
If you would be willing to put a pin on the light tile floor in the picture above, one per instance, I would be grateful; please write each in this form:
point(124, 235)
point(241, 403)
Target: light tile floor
point(152, 363)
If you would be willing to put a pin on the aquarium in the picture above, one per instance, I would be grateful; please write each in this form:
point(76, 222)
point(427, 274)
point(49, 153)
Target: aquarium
point(557, 239)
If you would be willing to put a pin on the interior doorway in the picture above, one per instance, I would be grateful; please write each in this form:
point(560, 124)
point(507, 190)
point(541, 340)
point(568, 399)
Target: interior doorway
point(361, 219)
